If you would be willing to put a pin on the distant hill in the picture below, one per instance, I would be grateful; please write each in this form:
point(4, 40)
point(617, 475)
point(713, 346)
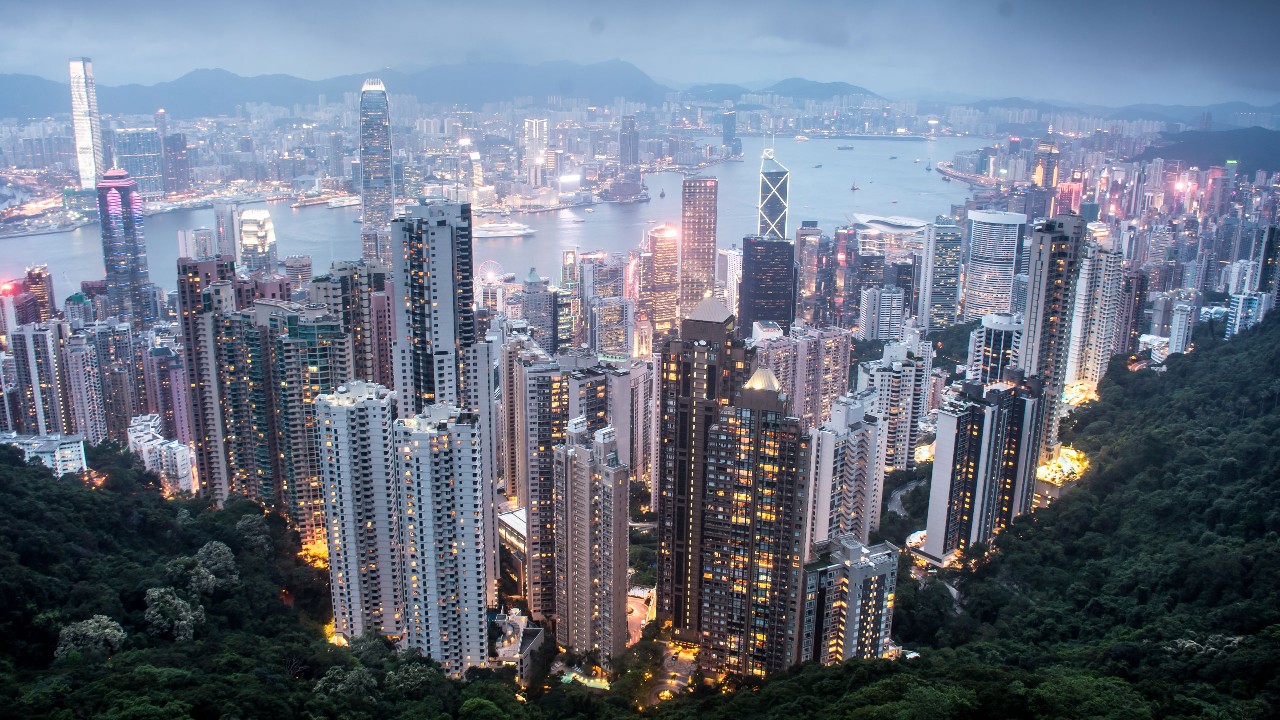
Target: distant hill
point(715, 92)
point(1255, 148)
point(202, 93)
point(802, 89)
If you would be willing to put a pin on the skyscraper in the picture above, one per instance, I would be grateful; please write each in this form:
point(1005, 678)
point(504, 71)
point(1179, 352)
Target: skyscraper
point(752, 533)
point(848, 609)
point(995, 239)
point(984, 467)
point(697, 241)
point(226, 215)
point(39, 282)
point(899, 380)
point(660, 279)
point(84, 385)
point(993, 347)
point(1054, 266)
point(591, 542)
point(362, 509)
point(812, 364)
point(1180, 328)
point(377, 190)
point(774, 181)
point(177, 165)
point(44, 403)
point(257, 243)
point(198, 311)
point(124, 249)
point(357, 292)
point(767, 291)
point(138, 151)
point(816, 281)
point(881, 311)
point(628, 142)
point(84, 123)
point(847, 475)
point(940, 284)
point(444, 539)
point(1098, 311)
point(699, 372)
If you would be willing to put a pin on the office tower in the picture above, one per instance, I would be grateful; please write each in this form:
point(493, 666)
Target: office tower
point(226, 216)
point(610, 323)
point(541, 310)
point(1054, 266)
point(774, 181)
point(731, 276)
point(698, 372)
point(767, 291)
point(816, 284)
point(1044, 174)
point(84, 123)
point(1180, 328)
point(848, 477)
point(899, 379)
point(124, 249)
point(39, 282)
point(848, 608)
point(298, 269)
point(204, 291)
point(357, 292)
point(138, 151)
point(177, 165)
point(628, 142)
point(377, 191)
point(257, 243)
point(362, 509)
point(1095, 322)
point(940, 280)
point(197, 243)
point(660, 279)
point(1018, 302)
point(995, 239)
point(812, 364)
point(698, 204)
point(443, 536)
point(1245, 311)
point(591, 501)
point(44, 404)
point(84, 386)
point(993, 347)
point(984, 466)
point(752, 533)
point(728, 128)
point(881, 313)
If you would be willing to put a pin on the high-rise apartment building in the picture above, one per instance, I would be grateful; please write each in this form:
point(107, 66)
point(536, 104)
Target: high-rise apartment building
point(443, 536)
point(1180, 328)
point(660, 279)
point(377, 189)
point(848, 607)
point(774, 187)
point(226, 215)
point(124, 249)
point(752, 533)
point(984, 467)
point(1053, 268)
point(84, 385)
point(993, 347)
point(940, 280)
point(362, 509)
point(44, 403)
point(591, 541)
point(699, 372)
point(729, 272)
point(816, 281)
point(204, 292)
point(812, 364)
point(995, 240)
point(1098, 310)
point(358, 292)
point(39, 282)
point(881, 313)
point(899, 379)
point(767, 290)
point(257, 243)
point(847, 473)
point(85, 124)
point(698, 205)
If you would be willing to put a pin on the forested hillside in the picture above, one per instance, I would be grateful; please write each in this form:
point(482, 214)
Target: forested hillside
point(1152, 591)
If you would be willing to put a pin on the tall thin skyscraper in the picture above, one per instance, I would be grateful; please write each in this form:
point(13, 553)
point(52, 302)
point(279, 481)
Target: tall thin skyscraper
point(257, 243)
point(628, 141)
point(124, 249)
point(697, 241)
point(85, 124)
point(940, 284)
point(377, 189)
point(774, 182)
point(995, 239)
point(1054, 267)
point(660, 279)
point(197, 311)
point(39, 282)
point(847, 476)
point(767, 290)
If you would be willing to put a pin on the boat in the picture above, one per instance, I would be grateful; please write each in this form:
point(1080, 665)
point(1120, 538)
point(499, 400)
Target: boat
point(662, 193)
point(502, 230)
point(844, 147)
point(893, 157)
point(802, 138)
point(577, 220)
point(590, 210)
point(917, 161)
point(928, 166)
point(651, 221)
point(854, 187)
point(817, 166)
point(946, 178)
point(341, 202)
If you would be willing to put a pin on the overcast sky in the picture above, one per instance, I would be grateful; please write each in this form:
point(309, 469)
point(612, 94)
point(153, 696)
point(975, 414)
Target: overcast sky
point(1103, 51)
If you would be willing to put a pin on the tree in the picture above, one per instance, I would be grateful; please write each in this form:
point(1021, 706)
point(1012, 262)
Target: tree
point(99, 635)
point(169, 615)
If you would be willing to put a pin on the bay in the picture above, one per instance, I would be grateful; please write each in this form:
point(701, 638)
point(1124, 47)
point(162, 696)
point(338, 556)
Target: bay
point(886, 187)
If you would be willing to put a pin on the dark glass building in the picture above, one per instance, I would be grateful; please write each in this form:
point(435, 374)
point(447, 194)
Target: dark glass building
point(768, 288)
point(774, 182)
point(124, 249)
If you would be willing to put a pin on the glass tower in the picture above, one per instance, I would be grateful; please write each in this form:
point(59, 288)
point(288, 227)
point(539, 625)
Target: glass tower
point(376, 188)
point(84, 122)
point(138, 151)
point(124, 249)
point(774, 180)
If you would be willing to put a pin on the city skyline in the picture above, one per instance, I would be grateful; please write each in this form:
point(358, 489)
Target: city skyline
point(900, 52)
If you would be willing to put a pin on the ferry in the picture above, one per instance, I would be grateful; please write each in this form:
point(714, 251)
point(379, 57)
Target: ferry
point(347, 201)
point(501, 230)
point(802, 138)
point(844, 147)
point(815, 167)
point(893, 157)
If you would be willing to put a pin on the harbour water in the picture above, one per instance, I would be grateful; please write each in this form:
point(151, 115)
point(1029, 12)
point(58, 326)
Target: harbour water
point(886, 187)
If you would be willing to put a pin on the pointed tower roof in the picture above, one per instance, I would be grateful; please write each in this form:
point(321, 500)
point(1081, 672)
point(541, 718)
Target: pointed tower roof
point(710, 310)
point(763, 379)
